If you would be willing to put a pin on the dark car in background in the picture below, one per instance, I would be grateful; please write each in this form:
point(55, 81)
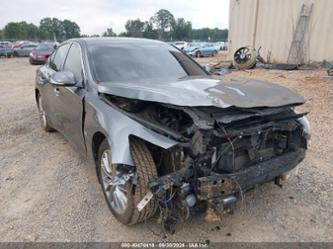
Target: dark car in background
point(162, 133)
point(41, 53)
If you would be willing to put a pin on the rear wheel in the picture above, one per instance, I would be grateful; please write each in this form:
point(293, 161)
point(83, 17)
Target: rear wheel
point(122, 196)
point(42, 115)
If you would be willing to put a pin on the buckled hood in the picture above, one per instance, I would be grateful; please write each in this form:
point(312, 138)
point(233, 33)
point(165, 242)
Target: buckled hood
point(192, 92)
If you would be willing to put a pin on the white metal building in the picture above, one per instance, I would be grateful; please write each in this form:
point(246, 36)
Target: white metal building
point(289, 31)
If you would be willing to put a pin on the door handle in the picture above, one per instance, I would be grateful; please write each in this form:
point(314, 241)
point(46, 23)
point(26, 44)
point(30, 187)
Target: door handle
point(56, 91)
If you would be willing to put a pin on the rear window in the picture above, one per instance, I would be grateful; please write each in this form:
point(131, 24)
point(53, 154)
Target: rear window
point(135, 62)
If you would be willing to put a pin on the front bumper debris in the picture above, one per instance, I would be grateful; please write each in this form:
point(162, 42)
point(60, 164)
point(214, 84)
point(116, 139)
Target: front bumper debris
point(217, 192)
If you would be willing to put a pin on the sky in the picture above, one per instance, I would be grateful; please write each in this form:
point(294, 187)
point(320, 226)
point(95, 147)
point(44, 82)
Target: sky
point(95, 16)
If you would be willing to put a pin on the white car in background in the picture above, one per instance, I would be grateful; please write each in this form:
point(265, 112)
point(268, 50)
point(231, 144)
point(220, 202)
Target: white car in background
point(180, 44)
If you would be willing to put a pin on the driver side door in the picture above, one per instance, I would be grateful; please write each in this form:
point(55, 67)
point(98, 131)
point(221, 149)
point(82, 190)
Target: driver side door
point(70, 104)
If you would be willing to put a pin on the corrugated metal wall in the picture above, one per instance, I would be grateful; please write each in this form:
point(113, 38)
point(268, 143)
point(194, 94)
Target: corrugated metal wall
point(271, 25)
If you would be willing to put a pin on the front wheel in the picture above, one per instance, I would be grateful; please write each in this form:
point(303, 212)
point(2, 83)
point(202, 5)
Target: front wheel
point(123, 196)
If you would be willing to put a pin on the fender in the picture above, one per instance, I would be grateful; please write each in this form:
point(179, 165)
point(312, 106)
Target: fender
point(117, 128)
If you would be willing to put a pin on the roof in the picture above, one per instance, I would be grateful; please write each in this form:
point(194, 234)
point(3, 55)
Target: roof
point(117, 40)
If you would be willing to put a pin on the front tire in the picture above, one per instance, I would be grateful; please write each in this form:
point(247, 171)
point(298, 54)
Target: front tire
point(198, 54)
point(123, 199)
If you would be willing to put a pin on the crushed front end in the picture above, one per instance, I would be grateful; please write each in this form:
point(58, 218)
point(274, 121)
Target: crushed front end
point(221, 153)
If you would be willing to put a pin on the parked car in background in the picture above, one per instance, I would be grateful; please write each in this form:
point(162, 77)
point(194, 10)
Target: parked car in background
point(180, 44)
point(6, 49)
point(203, 50)
point(41, 53)
point(221, 45)
point(191, 46)
point(18, 44)
point(24, 50)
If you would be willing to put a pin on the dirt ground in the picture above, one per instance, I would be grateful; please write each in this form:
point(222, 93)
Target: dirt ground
point(49, 193)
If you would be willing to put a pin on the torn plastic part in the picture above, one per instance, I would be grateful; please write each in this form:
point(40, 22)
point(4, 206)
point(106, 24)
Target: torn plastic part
point(145, 201)
point(306, 127)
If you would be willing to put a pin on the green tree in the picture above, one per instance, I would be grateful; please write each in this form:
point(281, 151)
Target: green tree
point(109, 32)
point(135, 27)
point(52, 29)
point(149, 31)
point(163, 21)
point(31, 31)
point(214, 34)
point(21, 31)
point(12, 31)
point(71, 29)
point(181, 30)
point(123, 34)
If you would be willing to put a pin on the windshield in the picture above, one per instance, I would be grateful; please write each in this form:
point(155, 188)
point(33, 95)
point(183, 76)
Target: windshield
point(45, 47)
point(137, 62)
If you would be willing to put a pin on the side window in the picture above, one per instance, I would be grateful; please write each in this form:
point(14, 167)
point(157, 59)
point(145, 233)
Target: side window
point(59, 57)
point(73, 62)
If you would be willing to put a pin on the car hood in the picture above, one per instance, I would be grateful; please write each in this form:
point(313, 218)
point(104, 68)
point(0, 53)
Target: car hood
point(219, 92)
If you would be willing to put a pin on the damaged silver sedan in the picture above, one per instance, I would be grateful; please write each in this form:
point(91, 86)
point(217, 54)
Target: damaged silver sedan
point(162, 133)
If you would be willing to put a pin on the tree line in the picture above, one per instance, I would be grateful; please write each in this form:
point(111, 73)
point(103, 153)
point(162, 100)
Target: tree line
point(162, 25)
point(48, 29)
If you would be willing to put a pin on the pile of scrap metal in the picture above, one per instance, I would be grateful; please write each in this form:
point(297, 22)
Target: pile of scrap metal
point(220, 68)
point(246, 58)
point(249, 57)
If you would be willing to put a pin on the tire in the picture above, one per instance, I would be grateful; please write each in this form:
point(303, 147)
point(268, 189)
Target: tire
point(16, 54)
point(145, 169)
point(42, 115)
point(198, 54)
point(250, 58)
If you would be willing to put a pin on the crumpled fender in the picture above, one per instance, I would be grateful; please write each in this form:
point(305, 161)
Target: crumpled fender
point(118, 127)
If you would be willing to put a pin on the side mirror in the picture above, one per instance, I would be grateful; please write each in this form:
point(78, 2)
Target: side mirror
point(63, 78)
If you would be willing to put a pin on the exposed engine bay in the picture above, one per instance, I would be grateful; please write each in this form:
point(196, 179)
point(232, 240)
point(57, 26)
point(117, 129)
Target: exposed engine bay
point(222, 152)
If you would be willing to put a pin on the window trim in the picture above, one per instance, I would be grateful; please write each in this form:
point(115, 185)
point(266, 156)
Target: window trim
point(55, 53)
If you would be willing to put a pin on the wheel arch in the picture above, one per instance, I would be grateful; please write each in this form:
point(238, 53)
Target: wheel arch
point(96, 142)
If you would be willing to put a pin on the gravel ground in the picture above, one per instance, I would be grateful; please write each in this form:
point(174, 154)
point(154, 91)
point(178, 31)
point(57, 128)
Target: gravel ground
point(49, 193)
